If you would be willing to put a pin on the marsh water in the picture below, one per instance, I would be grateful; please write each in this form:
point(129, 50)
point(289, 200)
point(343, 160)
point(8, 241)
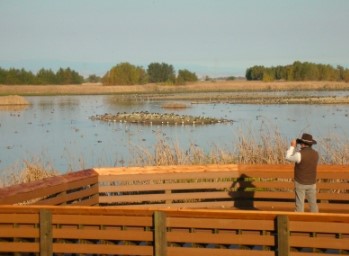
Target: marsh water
point(58, 131)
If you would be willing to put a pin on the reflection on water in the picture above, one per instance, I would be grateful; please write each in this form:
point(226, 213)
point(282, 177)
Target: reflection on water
point(59, 129)
point(13, 107)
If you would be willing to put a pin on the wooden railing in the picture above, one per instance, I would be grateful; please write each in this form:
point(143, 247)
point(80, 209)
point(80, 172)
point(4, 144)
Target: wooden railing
point(252, 187)
point(53, 230)
point(150, 212)
point(78, 188)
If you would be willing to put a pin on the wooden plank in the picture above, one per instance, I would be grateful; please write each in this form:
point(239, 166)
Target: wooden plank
point(91, 201)
point(160, 238)
point(64, 198)
point(105, 234)
point(225, 205)
point(283, 234)
point(177, 185)
point(165, 169)
point(218, 223)
point(132, 220)
point(42, 188)
point(154, 177)
point(19, 232)
point(319, 242)
point(183, 251)
point(333, 175)
point(167, 186)
point(195, 196)
point(333, 196)
point(19, 247)
point(221, 238)
point(335, 186)
point(45, 232)
point(19, 218)
point(319, 227)
point(103, 249)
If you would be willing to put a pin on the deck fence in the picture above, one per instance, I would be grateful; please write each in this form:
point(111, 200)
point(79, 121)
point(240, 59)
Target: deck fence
point(175, 210)
point(58, 230)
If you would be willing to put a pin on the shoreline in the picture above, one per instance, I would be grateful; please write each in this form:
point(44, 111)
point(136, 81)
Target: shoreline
point(199, 92)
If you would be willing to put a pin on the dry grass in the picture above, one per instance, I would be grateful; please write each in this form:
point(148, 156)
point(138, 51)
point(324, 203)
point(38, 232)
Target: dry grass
point(337, 150)
point(174, 105)
point(220, 86)
point(264, 147)
point(13, 100)
point(31, 171)
point(268, 147)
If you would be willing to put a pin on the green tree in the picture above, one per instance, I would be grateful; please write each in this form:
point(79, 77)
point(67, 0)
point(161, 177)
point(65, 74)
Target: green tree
point(93, 79)
point(125, 74)
point(346, 75)
point(161, 73)
point(185, 75)
point(268, 75)
point(230, 78)
point(19, 76)
point(255, 73)
point(46, 76)
point(298, 71)
point(3, 74)
point(68, 76)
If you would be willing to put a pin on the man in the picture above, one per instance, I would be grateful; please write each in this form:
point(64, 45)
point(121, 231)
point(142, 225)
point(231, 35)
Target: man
point(306, 160)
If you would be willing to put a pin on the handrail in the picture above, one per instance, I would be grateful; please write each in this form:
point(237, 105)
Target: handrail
point(259, 187)
point(168, 232)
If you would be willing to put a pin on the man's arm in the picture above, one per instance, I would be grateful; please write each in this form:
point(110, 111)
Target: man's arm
point(291, 154)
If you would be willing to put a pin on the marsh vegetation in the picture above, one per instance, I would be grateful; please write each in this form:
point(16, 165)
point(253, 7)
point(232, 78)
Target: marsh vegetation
point(64, 139)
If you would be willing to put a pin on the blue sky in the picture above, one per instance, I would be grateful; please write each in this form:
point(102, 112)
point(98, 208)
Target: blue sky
point(209, 37)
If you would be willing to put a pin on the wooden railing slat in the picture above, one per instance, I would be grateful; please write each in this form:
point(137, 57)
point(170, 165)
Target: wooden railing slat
point(209, 223)
point(102, 220)
point(106, 234)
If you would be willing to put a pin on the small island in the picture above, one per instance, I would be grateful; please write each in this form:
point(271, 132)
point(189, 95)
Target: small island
point(145, 117)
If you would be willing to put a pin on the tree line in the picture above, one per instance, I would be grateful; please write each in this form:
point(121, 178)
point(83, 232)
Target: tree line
point(126, 73)
point(298, 71)
point(42, 77)
point(121, 74)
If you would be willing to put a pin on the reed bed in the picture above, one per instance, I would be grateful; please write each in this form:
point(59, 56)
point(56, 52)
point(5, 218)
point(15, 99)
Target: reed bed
point(31, 170)
point(174, 105)
point(203, 86)
point(267, 146)
point(13, 100)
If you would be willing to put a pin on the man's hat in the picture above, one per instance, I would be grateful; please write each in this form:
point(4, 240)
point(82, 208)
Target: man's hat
point(306, 139)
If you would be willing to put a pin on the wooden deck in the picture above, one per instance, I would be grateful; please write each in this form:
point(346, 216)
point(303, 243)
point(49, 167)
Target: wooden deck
point(57, 230)
point(246, 187)
point(175, 210)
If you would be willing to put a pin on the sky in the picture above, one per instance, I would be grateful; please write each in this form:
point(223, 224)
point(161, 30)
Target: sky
point(208, 37)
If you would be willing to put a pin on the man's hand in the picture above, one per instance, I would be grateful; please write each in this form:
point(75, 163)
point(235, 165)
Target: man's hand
point(293, 143)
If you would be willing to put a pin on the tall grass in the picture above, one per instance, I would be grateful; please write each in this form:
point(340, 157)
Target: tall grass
point(336, 150)
point(220, 86)
point(30, 171)
point(266, 146)
point(13, 100)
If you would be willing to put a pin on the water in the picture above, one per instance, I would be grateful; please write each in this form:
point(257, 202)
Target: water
point(57, 129)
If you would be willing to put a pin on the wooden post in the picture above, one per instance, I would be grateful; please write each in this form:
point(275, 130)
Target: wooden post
point(283, 247)
point(45, 233)
point(160, 241)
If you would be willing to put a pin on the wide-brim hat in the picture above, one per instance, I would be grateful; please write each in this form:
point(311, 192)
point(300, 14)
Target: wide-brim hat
point(306, 139)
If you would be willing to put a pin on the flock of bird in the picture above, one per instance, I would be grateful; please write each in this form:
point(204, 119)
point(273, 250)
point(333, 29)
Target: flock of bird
point(145, 117)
